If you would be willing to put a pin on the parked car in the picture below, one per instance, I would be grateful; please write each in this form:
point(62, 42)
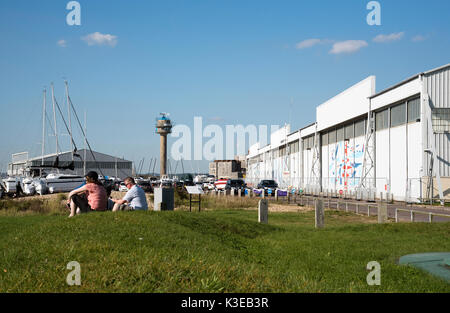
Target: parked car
point(235, 183)
point(146, 186)
point(122, 187)
point(268, 184)
point(208, 186)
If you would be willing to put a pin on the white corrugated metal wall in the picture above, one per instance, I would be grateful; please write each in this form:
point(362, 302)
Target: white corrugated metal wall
point(437, 85)
point(400, 163)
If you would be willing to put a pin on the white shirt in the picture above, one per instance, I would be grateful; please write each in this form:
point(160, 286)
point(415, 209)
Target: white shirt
point(136, 198)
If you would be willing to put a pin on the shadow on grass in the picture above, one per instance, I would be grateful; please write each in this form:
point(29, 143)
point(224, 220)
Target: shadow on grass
point(230, 232)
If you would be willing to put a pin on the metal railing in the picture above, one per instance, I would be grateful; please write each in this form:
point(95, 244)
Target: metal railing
point(339, 203)
point(414, 212)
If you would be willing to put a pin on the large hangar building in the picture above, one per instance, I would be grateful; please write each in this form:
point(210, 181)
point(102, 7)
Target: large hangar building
point(394, 143)
point(101, 163)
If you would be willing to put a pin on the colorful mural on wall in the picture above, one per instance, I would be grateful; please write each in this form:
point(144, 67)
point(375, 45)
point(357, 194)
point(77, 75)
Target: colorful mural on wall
point(346, 165)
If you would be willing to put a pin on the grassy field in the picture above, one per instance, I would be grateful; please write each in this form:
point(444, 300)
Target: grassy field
point(218, 250)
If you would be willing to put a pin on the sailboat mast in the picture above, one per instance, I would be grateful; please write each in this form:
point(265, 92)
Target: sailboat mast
point(54, 118)
point(154, 164)
point(69, 116)
point(43, 127)
point(150, 165)
point(85, 141)
point(182, 166)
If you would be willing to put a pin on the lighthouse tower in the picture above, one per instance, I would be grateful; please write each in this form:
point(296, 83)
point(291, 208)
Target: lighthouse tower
point(163, 128)
point(163, 197)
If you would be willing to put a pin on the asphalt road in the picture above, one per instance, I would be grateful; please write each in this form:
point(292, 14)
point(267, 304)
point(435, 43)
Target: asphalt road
point(362, 207)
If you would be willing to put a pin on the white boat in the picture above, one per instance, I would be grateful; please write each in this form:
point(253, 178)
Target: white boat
point(28, 186)
point(10, 185)
point(63, 182)
point(200, 179)
point(40, 186)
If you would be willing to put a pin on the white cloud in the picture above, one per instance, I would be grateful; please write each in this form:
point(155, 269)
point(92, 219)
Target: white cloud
point(418, 38)
point(389, 38)
point(348, 46)
point(100, 39)
point(62, 43)
point(308, 43)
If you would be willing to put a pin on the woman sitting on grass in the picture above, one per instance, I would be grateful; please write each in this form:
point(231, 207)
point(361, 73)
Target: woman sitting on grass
point(90, 197)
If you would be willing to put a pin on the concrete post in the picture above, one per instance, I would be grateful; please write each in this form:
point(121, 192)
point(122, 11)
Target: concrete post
point(276, 194)
point(163, 199)
point(382, 213)
point(320, 214)
point(263, 211)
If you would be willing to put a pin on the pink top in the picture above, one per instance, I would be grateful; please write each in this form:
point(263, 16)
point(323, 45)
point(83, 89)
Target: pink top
point(97, 197)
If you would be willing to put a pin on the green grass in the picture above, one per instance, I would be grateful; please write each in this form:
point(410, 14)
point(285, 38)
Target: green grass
point(213, 251)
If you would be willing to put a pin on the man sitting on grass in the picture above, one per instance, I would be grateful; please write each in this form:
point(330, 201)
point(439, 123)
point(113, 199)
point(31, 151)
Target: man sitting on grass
point(134, 199)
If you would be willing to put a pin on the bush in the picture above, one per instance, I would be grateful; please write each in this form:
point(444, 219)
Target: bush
point(61, 196)
point(33, 206)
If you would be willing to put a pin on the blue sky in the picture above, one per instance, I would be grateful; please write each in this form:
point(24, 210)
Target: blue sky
point(231, 62)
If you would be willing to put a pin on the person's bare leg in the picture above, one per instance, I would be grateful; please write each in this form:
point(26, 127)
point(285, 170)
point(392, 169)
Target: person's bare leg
point(116, 207)
point(73, 208)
